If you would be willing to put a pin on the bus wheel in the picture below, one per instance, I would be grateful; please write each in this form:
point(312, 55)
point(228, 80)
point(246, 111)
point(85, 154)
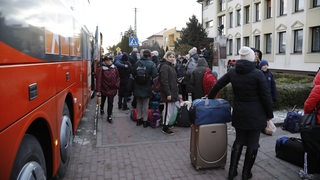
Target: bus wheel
point(66, 137)
point(30, 162)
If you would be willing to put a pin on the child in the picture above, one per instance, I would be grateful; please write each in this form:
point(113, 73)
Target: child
point(264, 67)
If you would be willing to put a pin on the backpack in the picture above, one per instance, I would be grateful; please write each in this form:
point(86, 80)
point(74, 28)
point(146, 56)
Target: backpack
point(141, 75)
point(292, 121)
point(183, 119)
point(208, 81)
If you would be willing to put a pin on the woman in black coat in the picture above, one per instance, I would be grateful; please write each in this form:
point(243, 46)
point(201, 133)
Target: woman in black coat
point(124, 73)
point(252, 107)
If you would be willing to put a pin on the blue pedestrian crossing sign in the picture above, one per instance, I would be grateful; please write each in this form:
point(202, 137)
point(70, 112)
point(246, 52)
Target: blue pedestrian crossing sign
point(133, 42)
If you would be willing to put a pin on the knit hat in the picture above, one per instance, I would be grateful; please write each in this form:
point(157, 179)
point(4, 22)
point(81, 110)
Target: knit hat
point(193, 51)
point(155, 53)
point(246, 53)
point(262, 63)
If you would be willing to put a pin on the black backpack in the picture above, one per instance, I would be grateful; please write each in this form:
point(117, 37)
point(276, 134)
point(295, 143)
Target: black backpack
point(141, 75)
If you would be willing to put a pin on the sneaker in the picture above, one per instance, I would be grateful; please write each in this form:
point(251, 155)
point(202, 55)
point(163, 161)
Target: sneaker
point(102, 112)
point(109, 119)
point(168, 131)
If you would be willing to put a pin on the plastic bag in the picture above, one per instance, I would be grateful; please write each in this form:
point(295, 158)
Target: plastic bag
point(270, 129)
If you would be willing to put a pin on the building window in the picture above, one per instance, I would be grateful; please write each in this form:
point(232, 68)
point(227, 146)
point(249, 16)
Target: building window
point(283, 7)
point(257, 42)
point(246, 14)
point(268, 43)
point(209, 24)
point(282, 42)
point(268, 8)
point(246, 41)
point(221, 20)
point(316, 3)
point(230, 46)
point(298, 38)
point(222, 5)
point(315, 39)
point(238, 45)
point(257, 5)
point(238, 17)
point(230, 19)
point(299, 5)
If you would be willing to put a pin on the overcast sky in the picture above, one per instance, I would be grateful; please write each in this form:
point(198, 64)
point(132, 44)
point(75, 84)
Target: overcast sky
point(116, 16)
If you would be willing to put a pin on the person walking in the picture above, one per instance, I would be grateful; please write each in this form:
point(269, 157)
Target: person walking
point(108, 83)
point(143, 69)
point(252, 108)
point(169, 88)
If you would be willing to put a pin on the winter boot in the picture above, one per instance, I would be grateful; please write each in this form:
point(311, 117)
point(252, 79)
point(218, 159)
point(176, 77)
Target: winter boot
point(109, 119)
point(235, 156)
point(139, 121)
point(145, 124)
point(125, 107)
point(251, 155)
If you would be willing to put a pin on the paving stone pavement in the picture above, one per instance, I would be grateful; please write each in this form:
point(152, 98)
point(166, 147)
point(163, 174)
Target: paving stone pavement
point(125, 151)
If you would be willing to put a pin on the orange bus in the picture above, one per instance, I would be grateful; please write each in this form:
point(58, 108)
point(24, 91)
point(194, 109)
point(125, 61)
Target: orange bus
point(46, 56)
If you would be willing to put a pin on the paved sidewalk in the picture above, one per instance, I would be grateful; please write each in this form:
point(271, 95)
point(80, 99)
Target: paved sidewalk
point(123, 150)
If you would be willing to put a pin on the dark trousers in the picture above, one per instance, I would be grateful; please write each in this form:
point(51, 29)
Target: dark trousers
point(110, 103)
point(311, 143)
point(249, 138)
point(122, 101)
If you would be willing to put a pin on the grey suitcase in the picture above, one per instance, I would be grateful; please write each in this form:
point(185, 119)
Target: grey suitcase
point(208, 145)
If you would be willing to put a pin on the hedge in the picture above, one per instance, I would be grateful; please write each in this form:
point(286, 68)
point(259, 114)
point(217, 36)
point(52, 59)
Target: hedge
point(292, 90)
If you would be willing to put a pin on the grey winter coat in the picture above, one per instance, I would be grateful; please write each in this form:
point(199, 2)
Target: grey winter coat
point(252, 102)
point(145, 90)
point(168, 81)
point(196, 79)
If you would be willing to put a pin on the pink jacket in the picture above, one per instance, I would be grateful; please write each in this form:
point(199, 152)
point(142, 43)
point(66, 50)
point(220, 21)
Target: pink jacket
point(314, 97)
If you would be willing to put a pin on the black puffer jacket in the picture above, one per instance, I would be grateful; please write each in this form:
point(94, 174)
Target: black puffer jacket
point(252, 103)
point(168, 81)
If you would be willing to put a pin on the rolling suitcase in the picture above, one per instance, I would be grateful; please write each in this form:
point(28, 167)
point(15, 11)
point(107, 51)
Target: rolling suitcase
point(208, 145)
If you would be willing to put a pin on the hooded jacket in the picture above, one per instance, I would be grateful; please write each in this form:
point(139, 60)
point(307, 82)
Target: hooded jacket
point(252, 102)
point(313, 99)
point(196, 79)
point(108, 80)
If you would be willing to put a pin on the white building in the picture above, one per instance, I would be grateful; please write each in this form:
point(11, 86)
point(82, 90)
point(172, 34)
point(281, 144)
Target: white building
point(286, 31)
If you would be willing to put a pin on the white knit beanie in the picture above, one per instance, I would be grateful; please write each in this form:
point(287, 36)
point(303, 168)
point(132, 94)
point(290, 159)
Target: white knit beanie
point(246, 53)
point(193, 51)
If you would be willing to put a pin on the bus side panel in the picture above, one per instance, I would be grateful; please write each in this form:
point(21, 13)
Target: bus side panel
point(13, 135)
point(17, 82)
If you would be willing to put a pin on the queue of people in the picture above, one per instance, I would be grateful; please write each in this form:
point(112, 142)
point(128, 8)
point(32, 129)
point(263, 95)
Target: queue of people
point(254, 91)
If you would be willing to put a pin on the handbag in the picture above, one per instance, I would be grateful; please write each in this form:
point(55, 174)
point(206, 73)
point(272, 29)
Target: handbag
point(309, 120)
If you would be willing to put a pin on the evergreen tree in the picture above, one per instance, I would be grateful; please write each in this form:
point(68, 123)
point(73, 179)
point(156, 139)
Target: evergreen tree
point(192, 36)
point(124, 44)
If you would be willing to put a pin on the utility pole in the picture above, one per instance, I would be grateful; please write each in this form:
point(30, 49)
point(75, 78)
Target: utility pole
point(135, 22)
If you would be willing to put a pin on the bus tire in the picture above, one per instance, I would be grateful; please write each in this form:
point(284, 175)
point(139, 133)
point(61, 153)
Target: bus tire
point(66, 137)
point(29, 162)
